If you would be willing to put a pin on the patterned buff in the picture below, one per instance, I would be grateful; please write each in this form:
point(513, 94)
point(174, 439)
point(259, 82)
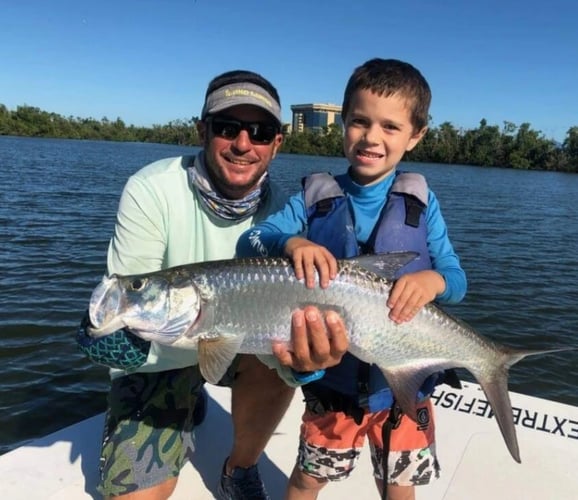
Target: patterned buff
point(223, 207)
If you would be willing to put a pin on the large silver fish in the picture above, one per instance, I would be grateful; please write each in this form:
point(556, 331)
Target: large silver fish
point(221, 308)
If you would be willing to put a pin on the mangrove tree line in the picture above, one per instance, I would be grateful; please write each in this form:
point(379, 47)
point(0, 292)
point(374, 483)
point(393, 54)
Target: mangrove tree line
point(510, 146)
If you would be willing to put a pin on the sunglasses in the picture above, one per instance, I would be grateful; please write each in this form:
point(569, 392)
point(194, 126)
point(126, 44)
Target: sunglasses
point(259, 132)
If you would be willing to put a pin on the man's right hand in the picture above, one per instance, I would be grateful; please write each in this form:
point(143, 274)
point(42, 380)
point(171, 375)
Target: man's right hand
point(318, 341)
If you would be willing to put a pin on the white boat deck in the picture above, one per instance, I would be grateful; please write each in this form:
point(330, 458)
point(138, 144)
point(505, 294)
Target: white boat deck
point(475, 462)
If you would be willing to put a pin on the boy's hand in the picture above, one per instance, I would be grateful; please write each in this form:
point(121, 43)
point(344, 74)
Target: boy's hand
point(307, 257)
point(413, 291)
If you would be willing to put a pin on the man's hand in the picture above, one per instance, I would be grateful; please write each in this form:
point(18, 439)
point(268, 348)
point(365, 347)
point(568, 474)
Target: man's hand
point(319, 341)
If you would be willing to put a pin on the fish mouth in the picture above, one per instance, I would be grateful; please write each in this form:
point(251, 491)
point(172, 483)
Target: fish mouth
point(104, 307)
point(111, 327)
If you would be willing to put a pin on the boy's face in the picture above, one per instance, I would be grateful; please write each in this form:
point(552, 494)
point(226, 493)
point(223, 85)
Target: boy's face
point(378, 131)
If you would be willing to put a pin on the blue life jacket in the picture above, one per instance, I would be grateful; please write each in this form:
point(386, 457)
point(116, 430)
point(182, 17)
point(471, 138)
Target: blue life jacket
point(400, 227)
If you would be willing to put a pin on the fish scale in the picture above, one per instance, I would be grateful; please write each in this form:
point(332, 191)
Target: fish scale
point(269, 316)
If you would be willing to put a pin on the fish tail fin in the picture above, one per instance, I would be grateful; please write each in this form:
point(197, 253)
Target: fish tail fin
point(494, 383)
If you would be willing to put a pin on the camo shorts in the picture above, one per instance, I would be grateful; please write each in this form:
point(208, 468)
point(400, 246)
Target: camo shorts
point(148, 433)
point(330, 446)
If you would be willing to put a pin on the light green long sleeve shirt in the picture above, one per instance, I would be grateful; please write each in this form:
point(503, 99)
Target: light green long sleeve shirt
point(161, 223)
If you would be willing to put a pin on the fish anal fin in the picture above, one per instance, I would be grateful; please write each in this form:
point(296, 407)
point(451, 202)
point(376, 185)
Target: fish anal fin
point(405, 383)
point(216, 355)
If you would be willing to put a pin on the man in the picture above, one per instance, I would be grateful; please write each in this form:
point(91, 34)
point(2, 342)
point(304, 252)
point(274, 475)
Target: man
point(190, 209)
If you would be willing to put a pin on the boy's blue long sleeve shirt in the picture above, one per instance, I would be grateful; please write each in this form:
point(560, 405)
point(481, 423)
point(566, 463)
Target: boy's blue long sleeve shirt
point(269, 237)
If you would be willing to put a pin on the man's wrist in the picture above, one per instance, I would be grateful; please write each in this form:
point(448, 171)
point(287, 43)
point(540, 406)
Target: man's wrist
point(306, 377)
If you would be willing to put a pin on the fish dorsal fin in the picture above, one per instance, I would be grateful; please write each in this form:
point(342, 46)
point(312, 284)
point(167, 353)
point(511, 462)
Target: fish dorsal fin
point(385, 265)
point(216, 355)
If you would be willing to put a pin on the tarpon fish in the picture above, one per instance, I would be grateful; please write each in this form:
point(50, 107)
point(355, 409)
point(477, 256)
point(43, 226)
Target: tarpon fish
point(222, 308)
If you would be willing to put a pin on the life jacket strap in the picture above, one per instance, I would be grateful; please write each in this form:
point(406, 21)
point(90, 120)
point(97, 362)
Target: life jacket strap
point(392, 423)
point(320, 186)
point(363, 374)
point(413, 211)
point(320, 400)
point(323, 207)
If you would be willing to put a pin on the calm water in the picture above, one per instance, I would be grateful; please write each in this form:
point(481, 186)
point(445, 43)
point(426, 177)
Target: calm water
point(516, 232)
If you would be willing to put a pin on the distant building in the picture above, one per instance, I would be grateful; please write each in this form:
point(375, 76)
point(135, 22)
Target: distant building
point(315, 116)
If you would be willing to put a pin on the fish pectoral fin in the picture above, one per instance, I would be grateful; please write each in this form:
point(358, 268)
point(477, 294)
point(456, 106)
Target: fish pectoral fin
point(216, 355)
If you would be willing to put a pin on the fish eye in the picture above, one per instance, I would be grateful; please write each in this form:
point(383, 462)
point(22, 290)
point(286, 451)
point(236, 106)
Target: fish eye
point(136, 284)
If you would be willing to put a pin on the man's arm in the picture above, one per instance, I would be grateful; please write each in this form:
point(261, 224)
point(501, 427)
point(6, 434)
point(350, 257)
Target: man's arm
point(120, 349)
point(138, 244)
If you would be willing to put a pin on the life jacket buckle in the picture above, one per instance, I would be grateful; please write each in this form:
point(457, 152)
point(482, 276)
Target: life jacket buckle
point(323, 207)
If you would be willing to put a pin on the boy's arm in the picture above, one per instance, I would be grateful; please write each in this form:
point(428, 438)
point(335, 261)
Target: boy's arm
point(277, 236)
point(268, 238)
point(444, 259)
point(446, 282)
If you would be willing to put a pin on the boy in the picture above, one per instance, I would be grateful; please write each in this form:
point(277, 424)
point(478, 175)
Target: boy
point(371, 208)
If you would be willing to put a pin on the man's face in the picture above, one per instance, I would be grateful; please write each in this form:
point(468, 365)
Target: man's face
point(236, 164)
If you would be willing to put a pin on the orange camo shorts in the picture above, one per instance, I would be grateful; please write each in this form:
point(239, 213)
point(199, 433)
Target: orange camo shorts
point(330, 446)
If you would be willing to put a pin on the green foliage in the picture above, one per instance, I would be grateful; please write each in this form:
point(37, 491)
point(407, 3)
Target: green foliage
point(33, 122)
point(328, 142)
point(511, 146)
point(571, 149)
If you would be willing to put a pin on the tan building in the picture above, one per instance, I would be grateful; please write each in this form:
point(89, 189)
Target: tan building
point(315, 116)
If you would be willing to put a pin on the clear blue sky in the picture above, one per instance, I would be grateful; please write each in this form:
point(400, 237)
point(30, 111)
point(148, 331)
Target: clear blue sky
point(149, 61)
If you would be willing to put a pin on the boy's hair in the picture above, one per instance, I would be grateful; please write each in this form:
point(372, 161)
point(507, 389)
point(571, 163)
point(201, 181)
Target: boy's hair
point(386, 77)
